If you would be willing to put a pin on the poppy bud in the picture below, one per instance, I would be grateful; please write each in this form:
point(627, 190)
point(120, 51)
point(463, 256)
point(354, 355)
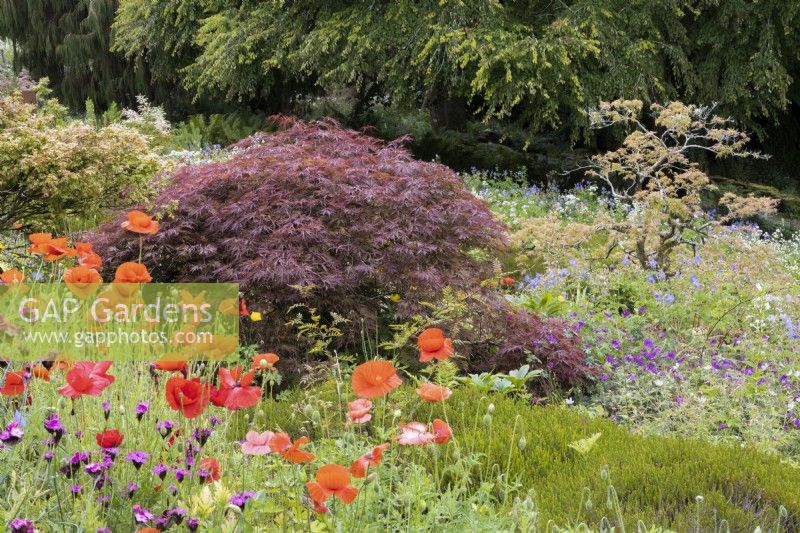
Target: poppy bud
point(589, 505)
point(490, 408)
point(487, 420)
point(522, 443)
point(397, 413)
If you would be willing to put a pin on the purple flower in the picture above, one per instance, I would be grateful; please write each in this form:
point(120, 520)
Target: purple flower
point(106, 409)
point(54, 426)
point(104, 501)
point(201, 435)
point(215, 421)
point(141, 409)
point(21, 525)
point(48, 456)
point(12, 434)
point(180, 474)
point(192, 524)
point(240, 499)
point(132, 488)
point(164, 427)
point(160, 470)
point(75, 489)
point(176, 515)
point(95, 469)
point(141, 515)
point(137, 458)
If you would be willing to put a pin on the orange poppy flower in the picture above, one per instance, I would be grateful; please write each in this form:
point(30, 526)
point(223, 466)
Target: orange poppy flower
point(434, 345)
point(332, 480)
point(374, 379)
point(371, 458)
point(37, 241)
point(265, 361)
point(132, 273)
point(83, 248)
point(507, 281)
point(90, 260)
point(433, 393)
point(55, 249)
point(175, 365)
point(229, 306)
point(12, 276)
point(282, 443)
point(82, 281)
point(142, 223)
point(441, 431)
point(40, 372)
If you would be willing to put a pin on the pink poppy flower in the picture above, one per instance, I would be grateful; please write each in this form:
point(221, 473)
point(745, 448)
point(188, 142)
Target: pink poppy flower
point(414, 434)
point(257, 443)
point(359, 411)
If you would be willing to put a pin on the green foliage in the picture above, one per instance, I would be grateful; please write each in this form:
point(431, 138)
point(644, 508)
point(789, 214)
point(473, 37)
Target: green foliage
point(568, 463)
point(200, 131)
point(522, 61)
point(515, 382)
point(69, 43)
point(51, 170)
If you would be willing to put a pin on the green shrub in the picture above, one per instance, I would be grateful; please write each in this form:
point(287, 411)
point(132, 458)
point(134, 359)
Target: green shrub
point(200, 131)
point(50, 171)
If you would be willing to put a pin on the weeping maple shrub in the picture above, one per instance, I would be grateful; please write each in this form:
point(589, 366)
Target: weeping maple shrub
point(319, 215)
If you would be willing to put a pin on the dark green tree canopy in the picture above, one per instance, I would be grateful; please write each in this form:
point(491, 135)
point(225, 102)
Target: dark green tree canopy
point(534, 63)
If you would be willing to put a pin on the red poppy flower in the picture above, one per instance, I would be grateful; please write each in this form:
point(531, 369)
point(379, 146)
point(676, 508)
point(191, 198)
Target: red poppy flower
point(371, 458)
point(332, 480)
point(282, 443)
point(235, 391)
point(142, 223)
point(441, 431)
point(243, 308)
point(87, 378)
point(211, 466)
point(433, 393)
point(14, 384)
point(507, 281)
point(265, 361)
point(434, 345)
point(374, 379)
point(110, 438)
point(188, 396)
